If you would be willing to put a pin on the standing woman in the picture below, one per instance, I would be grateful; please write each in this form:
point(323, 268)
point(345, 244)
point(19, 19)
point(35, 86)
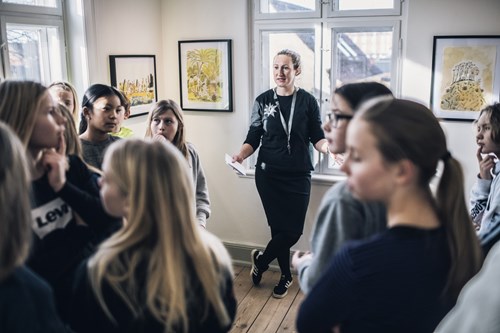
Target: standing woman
point(166, 122)
point(284, 121)
point(406, 278)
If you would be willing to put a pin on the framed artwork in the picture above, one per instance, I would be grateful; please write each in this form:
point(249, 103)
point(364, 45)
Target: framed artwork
point(465, 75)
point(205, 75)
point(135, 76)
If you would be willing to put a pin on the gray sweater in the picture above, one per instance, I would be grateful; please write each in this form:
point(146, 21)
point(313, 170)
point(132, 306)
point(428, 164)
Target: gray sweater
point(341, 217)
point(93, 152)
point(200, 186)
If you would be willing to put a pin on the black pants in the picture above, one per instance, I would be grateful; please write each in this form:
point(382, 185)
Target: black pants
point(279, 248)
point(285, 197)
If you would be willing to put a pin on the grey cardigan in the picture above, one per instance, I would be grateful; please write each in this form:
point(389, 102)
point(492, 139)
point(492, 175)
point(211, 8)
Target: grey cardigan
point(200, 186)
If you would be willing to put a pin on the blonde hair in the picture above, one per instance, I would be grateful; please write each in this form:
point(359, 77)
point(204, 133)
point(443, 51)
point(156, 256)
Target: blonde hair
point(19, 101)
point(408, 130)
point(15, 217)
point(161, 238)
point(73, 144)
point(162, 107)
point(69, 88)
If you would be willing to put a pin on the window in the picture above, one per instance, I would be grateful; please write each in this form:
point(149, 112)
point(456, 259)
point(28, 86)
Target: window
point(364, 7)
point(33, 47)
point(273, 9)
point(339, 42)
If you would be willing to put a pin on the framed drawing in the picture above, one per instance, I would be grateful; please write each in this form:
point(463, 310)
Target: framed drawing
point(135, 76)
point(465, 75)
point(205, 75)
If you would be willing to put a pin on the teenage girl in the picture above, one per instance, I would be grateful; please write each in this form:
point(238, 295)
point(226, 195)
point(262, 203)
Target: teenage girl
point(166, 121)
point(404, 279)
point(160, 272)
point(65, 94)
point(61, 187)
point(485, 194)
point(26, 301)
point(341, 217)
point(101, 106)
point(73, 145)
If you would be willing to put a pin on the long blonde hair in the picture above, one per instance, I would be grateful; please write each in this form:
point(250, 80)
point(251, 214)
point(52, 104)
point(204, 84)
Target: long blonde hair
point(15, 217)
point(73, 144)
point(160, 237)
point(408, 130)
point(162, 107)
point(19, 101)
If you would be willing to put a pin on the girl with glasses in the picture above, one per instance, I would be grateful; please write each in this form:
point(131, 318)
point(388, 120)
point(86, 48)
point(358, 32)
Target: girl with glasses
point(341, 217)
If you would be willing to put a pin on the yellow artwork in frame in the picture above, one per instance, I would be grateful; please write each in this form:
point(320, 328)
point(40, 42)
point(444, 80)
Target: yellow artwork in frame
point(465, 75)
point(205, 75)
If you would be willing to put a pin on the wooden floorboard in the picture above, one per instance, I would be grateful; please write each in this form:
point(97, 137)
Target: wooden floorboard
point(258, 311)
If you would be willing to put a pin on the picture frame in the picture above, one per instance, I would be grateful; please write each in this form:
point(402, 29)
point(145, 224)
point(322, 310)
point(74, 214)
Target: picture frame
point(465, 76)
point(205, 75)
point(135, 76)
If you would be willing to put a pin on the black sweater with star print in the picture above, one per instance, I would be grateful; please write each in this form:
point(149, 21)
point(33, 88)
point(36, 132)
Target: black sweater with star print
point(266, 131)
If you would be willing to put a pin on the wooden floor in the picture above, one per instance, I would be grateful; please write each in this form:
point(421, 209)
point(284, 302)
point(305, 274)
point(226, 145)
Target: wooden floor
point(258, 311)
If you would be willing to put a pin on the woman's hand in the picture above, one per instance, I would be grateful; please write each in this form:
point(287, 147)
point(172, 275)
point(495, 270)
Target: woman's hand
point(300, 257)
point(485, 164)
point(237, 158)
point(245, 151)
point(56, 164)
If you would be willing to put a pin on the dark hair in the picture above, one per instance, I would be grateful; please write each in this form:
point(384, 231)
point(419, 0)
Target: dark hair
point(357, 93)
point(494, 112)
point(93, 93)
point(408, 130)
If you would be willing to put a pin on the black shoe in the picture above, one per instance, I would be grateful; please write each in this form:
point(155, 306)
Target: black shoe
point(281, 288)
point(256, 273)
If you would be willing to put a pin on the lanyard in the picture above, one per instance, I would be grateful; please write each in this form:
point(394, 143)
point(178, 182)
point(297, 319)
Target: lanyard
point(288, 129)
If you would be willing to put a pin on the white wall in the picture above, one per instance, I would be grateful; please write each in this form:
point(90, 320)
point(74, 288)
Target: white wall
point(122, 27)
point(155, 26)
point(427, 18)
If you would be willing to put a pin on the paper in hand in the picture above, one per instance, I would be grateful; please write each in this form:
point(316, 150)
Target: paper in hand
point(238, 167)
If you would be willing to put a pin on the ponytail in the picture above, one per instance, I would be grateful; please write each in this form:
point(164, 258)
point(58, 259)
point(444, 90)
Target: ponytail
point(465, 252)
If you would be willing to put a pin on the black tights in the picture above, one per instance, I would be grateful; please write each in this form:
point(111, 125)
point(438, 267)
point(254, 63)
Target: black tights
point(279, 248)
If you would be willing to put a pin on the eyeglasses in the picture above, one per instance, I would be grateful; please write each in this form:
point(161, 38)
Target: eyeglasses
point(333, 118)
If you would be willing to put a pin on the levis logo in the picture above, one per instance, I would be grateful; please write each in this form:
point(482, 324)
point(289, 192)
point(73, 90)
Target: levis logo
point(55, 214)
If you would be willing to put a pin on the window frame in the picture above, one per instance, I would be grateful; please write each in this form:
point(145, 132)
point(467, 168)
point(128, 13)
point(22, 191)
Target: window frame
point(329, 28)
point(259, 63)
point(334, 11)
point(334, 28)
point(36, 16)
point(38, 10)
point(258, 15)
